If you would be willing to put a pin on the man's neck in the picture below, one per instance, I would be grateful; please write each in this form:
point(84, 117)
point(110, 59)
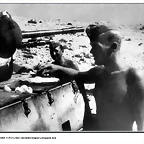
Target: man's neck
point(60, 61)
point(112, 65)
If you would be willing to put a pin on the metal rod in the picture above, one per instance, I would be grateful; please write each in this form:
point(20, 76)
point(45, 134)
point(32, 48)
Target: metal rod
point(42, 33)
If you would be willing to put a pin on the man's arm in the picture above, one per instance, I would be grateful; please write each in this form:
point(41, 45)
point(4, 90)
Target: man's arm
point(20, 69)
point(92, 75)
point(86, 77)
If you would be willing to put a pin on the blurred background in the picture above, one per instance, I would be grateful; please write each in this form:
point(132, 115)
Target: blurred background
point(117, 13)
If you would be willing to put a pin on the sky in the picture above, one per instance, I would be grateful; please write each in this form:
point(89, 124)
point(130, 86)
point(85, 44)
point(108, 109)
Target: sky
point(117, 13)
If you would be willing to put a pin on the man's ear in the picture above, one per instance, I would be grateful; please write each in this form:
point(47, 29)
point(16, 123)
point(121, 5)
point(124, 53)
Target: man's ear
point(113, 48)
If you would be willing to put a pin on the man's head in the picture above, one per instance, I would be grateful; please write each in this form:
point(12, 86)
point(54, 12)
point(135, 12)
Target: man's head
point(104, 39)
point(4, 14)
point(56, 50)
point(10, 35)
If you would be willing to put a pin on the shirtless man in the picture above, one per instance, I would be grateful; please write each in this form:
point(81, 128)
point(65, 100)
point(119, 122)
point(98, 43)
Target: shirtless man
point(56, 52)
point(119, 89)
point(10, 40)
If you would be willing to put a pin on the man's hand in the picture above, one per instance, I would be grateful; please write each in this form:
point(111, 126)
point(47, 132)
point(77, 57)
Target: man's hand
point(57, 71)
point(48, 70)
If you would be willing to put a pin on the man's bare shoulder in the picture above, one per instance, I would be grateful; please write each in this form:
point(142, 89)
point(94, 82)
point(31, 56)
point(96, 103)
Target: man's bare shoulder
point(71, 63)
point(134, 76)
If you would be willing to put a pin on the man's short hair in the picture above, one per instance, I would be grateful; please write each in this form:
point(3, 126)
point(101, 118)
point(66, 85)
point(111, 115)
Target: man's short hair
point(104, 32)
point(54, 44)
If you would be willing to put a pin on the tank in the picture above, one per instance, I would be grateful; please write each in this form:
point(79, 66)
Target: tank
point(53, 107)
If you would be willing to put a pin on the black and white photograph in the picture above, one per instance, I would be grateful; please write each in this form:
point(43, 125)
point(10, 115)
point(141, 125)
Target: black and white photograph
point(72, 67)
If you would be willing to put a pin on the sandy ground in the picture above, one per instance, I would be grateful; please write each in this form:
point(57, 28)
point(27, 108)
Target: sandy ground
point(78, 46)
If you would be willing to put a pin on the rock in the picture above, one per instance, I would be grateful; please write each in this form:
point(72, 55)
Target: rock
point(82, 59)
point(142, 28)
point(63, 40)
point(140, 44)
point(28, 56)
point(69, 24)
point(83, 46)
point(70, 49)
point(33, 21)
point(128, 39)
point(40, 21)
point(78, 55)
point(80, 34)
